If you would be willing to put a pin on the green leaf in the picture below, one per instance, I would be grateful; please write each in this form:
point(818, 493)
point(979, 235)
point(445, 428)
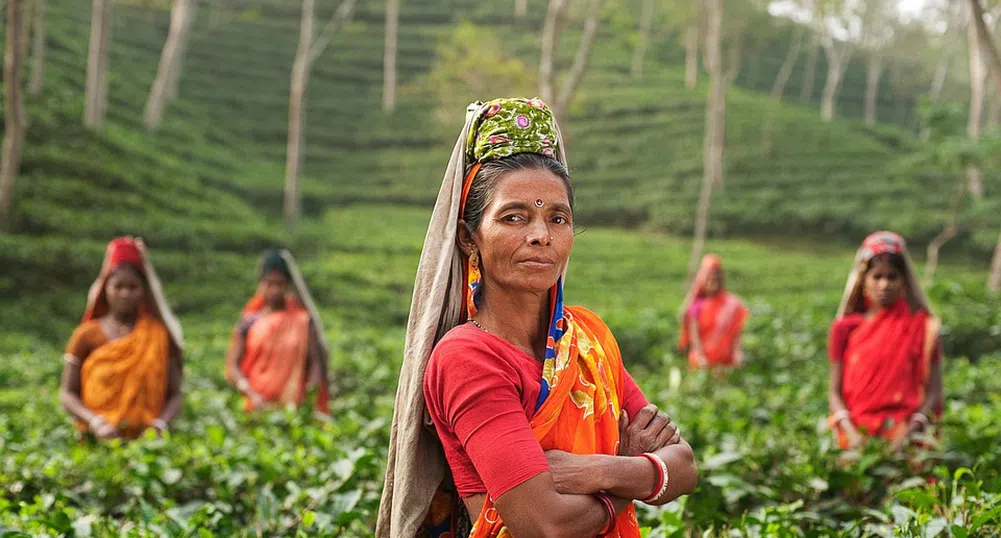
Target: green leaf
point(959, 532)
point(309, 518)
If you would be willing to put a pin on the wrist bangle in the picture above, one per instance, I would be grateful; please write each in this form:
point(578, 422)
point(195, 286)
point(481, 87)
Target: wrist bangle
point(662, 480)
point(606, 501)
point(242, 384)
point(98, 419)
point(922, 418)
point(839, 417)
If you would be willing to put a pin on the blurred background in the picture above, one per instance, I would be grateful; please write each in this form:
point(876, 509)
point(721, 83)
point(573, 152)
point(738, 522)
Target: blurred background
point(777, 134)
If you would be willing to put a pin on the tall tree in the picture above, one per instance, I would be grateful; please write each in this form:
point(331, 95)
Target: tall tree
point(389, 60)
point(877, 30)
point(643, 41)
point(520, 9)
point(13, 135)
point(182, 15)
point(788, 63)
point(978, 94)
point(560, 102)
point(96, 99)
point(810, 70)
point(990, 50)
point(308, 51)
point(715, 130)
point(37, 49)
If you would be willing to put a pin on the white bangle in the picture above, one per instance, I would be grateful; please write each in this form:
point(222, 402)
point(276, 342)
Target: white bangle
point(160, 424)
point(98, 419)
point(242, 384)
point(840, 416)
point(663, 488)
point(922, 418)
point(71, 359)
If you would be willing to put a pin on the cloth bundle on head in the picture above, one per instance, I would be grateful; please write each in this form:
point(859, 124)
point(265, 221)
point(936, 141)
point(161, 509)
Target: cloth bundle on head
point(132, 252)
point(878, 243)
point(416, 464)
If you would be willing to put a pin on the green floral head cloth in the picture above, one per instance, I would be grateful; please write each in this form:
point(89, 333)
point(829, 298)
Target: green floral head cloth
point(510, 126)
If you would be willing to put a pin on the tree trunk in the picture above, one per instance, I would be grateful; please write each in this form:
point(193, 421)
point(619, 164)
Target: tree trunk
point(988, 50)
point(837, 61)
point(96, 100)
point(579, 61)
point(788, 64)
point(715, 134)
point(389, 60)
point(692, 54)
point(947, 234)
point(13, 137)
point(646, 22)
point(550, 42)
point(174, 80)
point(38, 50)
point(810, 71)
point(735, 60)
point(297, 93)
point(520, 9)
point(938, 82)
point(994, 276)
point(994, 111)
point(873, 73)
point(170, 58)
point(978, 83)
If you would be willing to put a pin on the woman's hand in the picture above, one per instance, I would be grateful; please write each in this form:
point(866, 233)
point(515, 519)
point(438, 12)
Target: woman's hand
point(648, 431)
point(102, 429)
point(855, 439)
point(572, 473)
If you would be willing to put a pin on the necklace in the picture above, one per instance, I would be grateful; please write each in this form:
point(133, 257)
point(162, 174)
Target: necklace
point(480, 327)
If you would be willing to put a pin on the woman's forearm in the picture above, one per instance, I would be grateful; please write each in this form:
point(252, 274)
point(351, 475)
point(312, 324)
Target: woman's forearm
point(535, 509)
point(635, 477)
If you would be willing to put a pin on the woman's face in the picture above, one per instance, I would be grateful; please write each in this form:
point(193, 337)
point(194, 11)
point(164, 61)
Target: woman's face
point(714, 283)
point(526, 233)
point(124, 291)
point(884, 284)
point(275, 286)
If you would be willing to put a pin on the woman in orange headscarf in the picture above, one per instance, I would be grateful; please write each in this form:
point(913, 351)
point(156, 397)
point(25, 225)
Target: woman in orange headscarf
point(123, 369)
point(277, 351)
point(515, 415)
point(712, 319)
point(886, 367)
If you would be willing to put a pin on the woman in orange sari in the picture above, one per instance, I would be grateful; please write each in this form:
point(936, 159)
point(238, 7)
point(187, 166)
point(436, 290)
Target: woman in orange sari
point(515, 415)
point(123, 370)
point(712, 319)
point(277, 352)
point(886, 367)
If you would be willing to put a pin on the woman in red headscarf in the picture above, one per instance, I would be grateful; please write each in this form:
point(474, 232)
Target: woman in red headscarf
point(712, 319)
point(123, 368)
point(886, 367)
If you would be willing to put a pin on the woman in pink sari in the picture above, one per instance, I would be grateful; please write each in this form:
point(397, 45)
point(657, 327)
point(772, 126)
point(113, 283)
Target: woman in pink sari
point(712, 319)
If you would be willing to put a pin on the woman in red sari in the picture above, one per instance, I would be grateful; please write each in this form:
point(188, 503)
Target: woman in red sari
point(277, 351)
point(712, 319)
point(886, 367)
point(515, 415)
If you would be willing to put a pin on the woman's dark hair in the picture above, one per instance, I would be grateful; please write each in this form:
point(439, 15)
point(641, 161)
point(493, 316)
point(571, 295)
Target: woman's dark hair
point(895, 260)
point(133, 269)
point(486, 178)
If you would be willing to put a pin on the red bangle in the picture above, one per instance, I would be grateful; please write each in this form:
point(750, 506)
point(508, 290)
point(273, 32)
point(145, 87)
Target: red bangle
point(660, 477)
point(610, 508)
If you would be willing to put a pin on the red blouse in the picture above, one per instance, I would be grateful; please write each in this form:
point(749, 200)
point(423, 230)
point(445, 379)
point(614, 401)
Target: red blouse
point(481, 392)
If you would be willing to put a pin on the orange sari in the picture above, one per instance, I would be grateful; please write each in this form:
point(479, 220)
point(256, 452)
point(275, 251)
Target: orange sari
point(276, 359)
point(125, 380)
point(581, 413)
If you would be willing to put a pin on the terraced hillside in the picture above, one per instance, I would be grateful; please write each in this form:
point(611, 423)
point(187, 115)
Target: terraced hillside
point(205, 189)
